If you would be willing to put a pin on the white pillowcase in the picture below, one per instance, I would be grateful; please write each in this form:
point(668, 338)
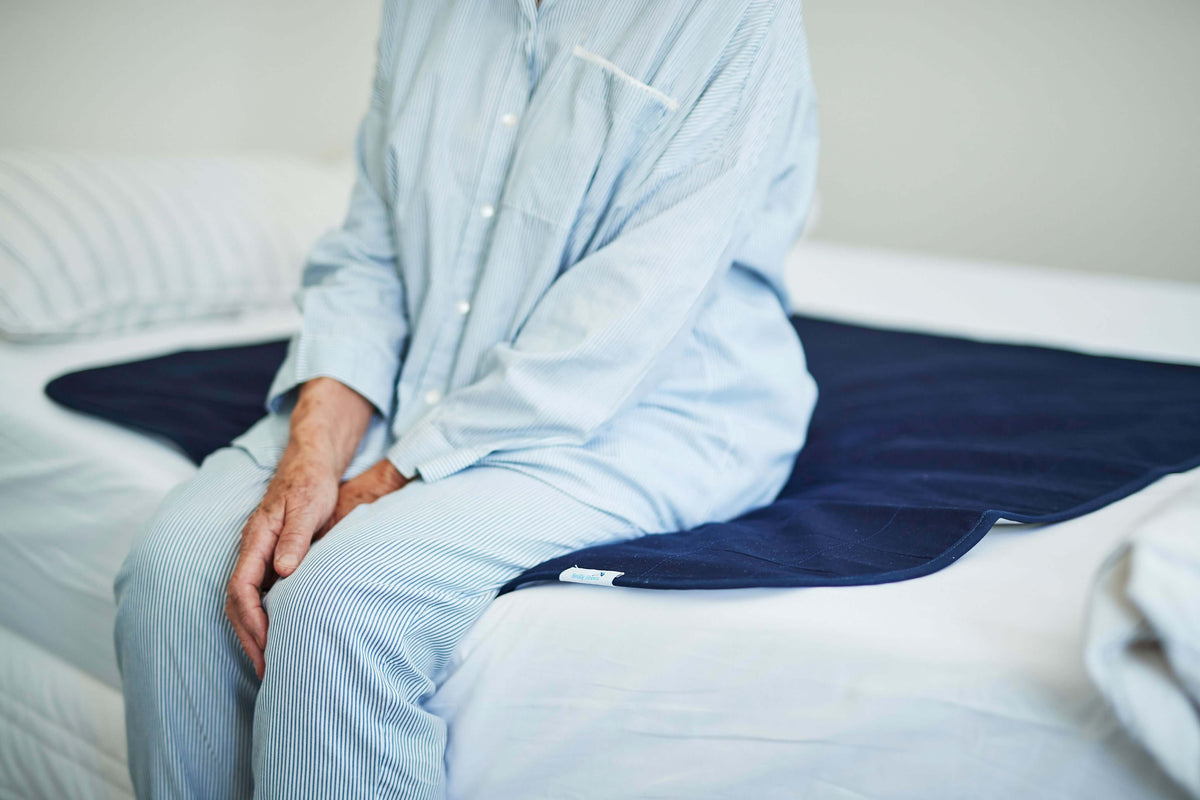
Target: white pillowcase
point(101, 244)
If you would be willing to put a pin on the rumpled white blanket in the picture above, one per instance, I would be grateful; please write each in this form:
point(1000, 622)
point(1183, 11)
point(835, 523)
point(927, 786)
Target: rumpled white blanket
point(1142, 644)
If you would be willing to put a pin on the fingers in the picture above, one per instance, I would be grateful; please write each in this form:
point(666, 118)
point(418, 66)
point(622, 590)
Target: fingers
point(235, 609)
point(245, 583)
point(243, 599)
point(367, 487)
point(298, 509)
point(275, 538)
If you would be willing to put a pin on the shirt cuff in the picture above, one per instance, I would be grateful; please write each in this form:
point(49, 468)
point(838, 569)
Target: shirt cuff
point(424, 449)
point(339, 357)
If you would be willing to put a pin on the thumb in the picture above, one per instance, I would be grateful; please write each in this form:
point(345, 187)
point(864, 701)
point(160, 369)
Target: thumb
point(294, 540)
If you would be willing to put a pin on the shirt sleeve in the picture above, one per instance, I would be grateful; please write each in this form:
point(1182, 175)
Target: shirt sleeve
point(351, 298)
point(596, 340)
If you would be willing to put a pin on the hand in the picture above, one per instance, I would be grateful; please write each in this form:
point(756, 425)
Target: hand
point(382, 478)
point(297, 502)
point(326, 426)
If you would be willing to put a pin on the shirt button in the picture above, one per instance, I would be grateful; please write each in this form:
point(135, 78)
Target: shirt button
point(486, 210)
point(509, 119)
point(432, 396)
point(462, 306)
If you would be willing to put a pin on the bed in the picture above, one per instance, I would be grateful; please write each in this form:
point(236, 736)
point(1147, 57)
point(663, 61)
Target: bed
point(967, 682)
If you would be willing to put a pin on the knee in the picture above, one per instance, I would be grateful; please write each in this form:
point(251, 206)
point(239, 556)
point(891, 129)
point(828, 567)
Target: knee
point(343, 591)
point(169, 576)
point(321, 599)
point(354, 607)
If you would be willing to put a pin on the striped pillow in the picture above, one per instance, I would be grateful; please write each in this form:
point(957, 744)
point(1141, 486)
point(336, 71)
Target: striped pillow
point(103, 244)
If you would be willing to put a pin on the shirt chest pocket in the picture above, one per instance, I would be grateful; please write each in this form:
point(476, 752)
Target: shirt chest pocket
point(585, 128)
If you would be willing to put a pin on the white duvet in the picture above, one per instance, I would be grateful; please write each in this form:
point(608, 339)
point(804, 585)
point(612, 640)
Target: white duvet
point(1143, 635)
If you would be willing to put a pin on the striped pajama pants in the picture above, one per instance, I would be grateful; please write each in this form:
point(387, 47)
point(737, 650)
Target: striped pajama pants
point(358, 636)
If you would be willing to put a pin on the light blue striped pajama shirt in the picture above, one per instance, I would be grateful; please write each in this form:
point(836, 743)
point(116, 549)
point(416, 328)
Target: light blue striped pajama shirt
point(560, 285)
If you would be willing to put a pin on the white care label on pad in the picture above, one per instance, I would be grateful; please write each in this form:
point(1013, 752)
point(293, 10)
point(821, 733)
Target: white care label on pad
point(600, 577)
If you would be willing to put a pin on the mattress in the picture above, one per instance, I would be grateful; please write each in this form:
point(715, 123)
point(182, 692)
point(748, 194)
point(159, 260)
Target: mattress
point(968, 682)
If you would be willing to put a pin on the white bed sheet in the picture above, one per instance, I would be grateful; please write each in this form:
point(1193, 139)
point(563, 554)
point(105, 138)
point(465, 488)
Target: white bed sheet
point(62, 735)
point(968, 682)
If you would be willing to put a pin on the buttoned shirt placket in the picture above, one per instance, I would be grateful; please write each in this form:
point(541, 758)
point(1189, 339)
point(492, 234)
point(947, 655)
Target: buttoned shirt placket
point(497, 158)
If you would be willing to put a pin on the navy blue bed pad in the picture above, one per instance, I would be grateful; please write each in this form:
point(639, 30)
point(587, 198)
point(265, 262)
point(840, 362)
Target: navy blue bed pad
point(918, 444)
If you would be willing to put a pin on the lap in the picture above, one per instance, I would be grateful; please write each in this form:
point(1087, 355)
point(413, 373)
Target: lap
point(472, 530)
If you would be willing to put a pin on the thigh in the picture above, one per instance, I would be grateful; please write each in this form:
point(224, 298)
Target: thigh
point(404, 578)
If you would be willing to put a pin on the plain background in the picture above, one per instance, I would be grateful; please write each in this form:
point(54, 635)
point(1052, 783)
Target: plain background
point(1060, 134)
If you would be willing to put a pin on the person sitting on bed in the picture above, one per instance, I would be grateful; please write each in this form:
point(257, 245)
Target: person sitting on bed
point(554, 317)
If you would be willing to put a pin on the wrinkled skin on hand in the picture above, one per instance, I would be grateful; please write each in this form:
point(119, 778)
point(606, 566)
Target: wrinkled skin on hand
point(302, 503)
point(299, 500)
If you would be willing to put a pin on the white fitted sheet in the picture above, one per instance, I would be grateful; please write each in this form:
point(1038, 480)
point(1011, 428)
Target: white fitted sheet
point(968, 682)
point(62, 735)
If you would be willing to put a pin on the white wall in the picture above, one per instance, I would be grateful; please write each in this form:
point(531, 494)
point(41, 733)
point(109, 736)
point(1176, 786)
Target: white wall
point(167, 75)
point(1050, 132)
